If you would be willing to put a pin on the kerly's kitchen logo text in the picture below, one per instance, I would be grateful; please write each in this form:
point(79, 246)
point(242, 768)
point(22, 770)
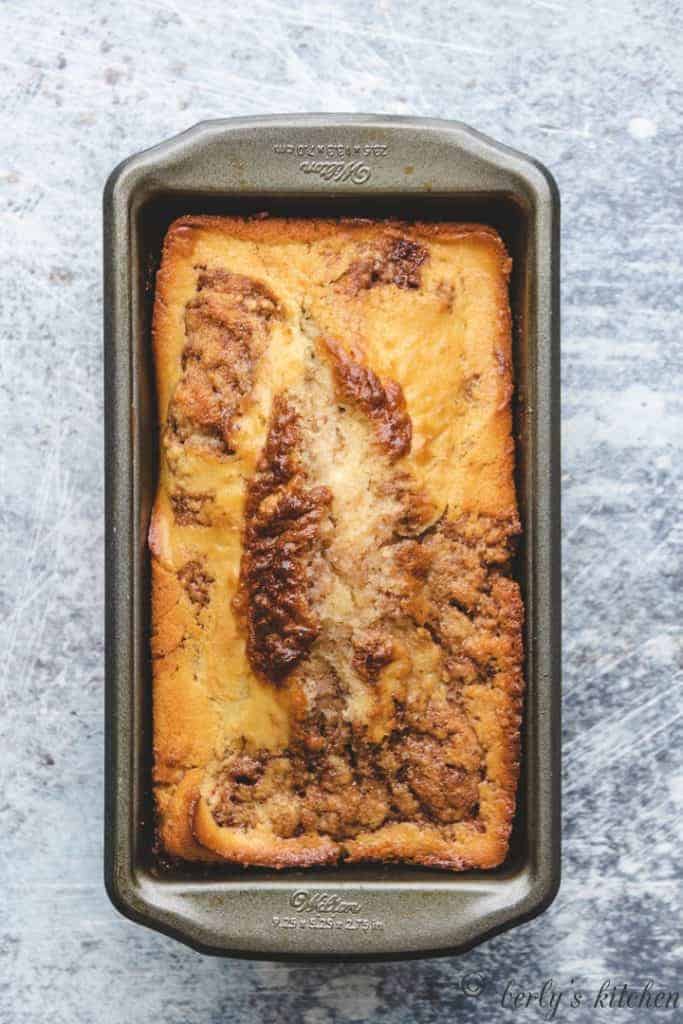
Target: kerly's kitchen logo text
point(304, 901)
point(549, 998)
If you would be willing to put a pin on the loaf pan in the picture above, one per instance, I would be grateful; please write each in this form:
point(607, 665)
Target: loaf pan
point(319, 165)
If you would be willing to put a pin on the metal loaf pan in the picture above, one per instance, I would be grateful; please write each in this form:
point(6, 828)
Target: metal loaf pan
point(368, 166)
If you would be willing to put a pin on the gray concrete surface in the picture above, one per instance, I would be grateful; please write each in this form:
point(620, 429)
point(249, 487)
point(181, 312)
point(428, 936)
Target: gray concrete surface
point(594, 91)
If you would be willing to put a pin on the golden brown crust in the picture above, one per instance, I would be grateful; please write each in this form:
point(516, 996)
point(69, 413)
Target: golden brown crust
point(336, 635)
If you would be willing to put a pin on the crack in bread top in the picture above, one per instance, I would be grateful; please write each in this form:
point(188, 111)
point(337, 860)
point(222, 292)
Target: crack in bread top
point(282, 540)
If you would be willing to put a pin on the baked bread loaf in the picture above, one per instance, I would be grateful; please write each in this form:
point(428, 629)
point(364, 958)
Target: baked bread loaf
point(336, 637)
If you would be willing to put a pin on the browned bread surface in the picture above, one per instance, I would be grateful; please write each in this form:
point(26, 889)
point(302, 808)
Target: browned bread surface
point(336, 635)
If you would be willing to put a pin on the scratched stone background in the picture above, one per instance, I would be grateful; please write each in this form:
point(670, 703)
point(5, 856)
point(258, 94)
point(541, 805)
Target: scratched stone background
point(594, 91)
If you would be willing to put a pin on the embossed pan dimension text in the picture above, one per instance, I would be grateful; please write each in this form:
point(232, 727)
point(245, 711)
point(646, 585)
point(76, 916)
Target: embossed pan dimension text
point(320, 910)
point(319, 165)
point(334, 161)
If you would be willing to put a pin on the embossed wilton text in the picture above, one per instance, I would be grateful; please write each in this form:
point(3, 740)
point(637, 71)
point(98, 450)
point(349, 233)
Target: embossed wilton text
point(354, 170)
point(326, 902)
